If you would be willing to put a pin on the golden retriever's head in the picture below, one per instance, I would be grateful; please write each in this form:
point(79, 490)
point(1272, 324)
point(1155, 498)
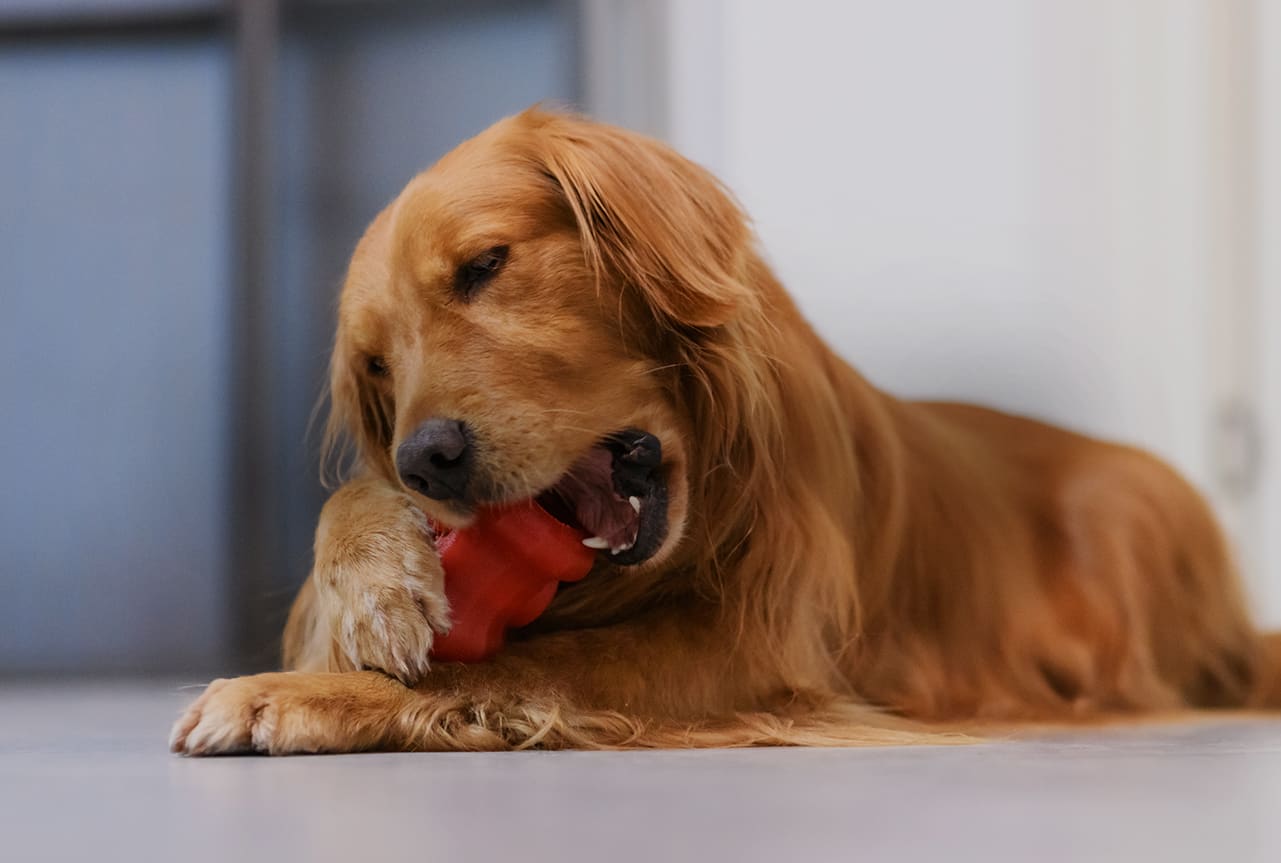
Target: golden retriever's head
point(517, 324)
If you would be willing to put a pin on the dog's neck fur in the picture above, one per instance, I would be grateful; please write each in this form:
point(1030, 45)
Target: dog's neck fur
point(762, 366)
point(749, 446)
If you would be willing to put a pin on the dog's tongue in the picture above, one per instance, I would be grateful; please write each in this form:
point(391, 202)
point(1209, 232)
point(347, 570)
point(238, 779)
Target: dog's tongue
point(588, 488)
point(501, 572)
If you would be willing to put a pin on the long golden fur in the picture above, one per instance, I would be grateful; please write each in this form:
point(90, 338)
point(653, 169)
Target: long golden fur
point(841, 568)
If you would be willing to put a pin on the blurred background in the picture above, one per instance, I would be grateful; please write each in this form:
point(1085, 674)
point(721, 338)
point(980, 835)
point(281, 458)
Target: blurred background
point(1068, 208)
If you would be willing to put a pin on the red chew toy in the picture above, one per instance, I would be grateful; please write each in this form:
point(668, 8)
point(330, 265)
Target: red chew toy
point(502, 572)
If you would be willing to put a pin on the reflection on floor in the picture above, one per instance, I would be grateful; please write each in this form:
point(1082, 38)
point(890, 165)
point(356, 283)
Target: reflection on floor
point(84, 775)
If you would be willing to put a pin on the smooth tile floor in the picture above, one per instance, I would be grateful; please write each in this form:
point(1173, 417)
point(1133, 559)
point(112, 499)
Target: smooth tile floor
point(84, 775)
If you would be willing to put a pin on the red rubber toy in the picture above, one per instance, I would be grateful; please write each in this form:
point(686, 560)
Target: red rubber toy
point(501, 572)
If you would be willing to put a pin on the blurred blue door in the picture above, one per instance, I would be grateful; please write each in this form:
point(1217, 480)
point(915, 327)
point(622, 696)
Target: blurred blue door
point(131, 472)
point(114, 233)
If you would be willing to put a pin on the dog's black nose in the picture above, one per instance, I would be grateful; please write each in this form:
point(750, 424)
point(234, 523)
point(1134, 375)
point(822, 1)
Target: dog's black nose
point(435, 460)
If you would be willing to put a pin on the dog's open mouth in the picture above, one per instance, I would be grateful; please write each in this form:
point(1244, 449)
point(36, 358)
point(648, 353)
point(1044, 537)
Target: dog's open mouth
point(615, 494)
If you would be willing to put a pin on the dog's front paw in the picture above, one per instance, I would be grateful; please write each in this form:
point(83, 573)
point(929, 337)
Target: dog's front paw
point(384, 597)
point(227, 719)
point(290, 712)
point(391, 624)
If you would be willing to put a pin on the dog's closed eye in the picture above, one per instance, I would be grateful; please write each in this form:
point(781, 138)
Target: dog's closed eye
point(473, 275)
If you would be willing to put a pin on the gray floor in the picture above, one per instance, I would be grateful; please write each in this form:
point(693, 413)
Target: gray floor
point(84, 775)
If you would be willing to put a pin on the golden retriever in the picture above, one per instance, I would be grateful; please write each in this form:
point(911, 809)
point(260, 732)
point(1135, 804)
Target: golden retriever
point(814, 562)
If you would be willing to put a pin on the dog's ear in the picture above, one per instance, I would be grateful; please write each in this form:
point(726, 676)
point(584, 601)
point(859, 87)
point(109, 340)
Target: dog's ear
point(662, 224)
point(358, 432)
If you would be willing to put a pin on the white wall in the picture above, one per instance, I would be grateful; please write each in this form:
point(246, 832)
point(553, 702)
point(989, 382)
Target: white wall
point(1268, 286)
point(1034, 205)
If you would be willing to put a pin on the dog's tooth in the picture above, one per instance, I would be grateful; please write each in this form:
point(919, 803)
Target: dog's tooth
point(596, 542)
point(624, 547)
point(635, 502)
